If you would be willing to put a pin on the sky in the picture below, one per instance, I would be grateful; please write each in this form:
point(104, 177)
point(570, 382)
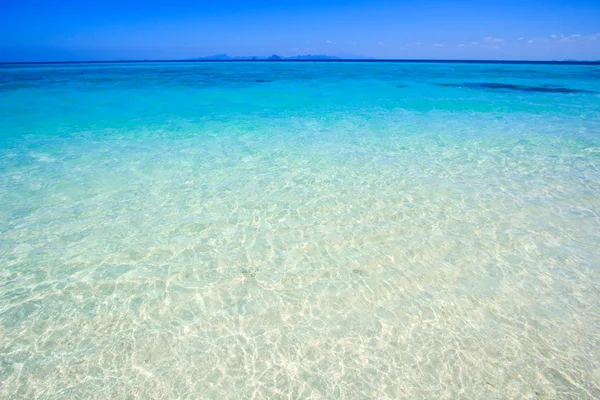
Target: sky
point(83, 30)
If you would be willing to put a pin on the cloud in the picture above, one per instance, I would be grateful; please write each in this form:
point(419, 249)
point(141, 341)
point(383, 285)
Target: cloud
point(438, 45)
point(462, 45)
point(330, 41)
point(490, 39)
point(575, 38)
point(379, 44)
point(488, 42)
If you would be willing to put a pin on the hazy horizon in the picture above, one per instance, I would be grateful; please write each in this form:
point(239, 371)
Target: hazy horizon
point(223, 57)
point(39, 30)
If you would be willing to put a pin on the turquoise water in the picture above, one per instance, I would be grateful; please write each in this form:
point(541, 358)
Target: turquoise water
point(299, 230)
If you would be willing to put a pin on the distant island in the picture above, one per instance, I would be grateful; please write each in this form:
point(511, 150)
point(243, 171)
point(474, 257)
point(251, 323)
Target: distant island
point(274, 57)
point(354, 57)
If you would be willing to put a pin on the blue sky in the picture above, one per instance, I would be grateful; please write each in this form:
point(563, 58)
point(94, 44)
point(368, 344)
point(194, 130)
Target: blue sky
point(71, 30)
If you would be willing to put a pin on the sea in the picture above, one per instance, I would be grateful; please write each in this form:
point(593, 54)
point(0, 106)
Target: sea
point(300, 230)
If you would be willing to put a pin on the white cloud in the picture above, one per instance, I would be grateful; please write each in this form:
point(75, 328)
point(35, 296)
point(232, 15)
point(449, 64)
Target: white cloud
point(379, 44)
point(556, 38)
point(462, 45)
point(571, 39)
point(330, 41)
point(490, 39)
point(576, 37)
point(438, 45)
point(521, 38)
point(488, 42)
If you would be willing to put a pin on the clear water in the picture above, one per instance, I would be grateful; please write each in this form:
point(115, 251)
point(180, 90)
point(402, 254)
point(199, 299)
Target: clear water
point(299, 230)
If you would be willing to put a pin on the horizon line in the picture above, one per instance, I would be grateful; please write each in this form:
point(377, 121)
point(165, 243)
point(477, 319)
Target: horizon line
point(288, 60)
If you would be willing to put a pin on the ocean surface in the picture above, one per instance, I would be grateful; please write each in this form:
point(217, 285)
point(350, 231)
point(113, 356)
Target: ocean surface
point(299, 230)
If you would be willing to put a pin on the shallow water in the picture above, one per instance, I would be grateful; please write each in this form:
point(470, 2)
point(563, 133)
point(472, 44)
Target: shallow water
point(299, 230)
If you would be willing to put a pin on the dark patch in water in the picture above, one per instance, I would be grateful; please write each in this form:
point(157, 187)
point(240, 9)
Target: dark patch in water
point(399, 85)
point(261, 80)
point(518, 88)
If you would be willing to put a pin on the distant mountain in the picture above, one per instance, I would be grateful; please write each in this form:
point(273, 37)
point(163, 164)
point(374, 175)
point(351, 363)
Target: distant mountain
point(215, 57)
point(313, 57)
point(274, 57)
point(351, 56)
